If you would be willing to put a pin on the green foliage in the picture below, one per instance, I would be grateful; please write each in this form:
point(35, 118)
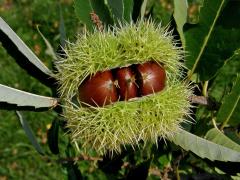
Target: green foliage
point(210, 29)
point(23, 99)
point(204, 148)
point(128, 8)
point(196, 46)
point(223, 42)
point(180, 17)
point(230, 103)
point(84, 9)
point(117, 9)
point(12, 38)
point(218, 137)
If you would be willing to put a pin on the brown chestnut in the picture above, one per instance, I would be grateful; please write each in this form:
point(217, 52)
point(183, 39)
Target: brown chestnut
point(98, 90)
point(127, 88)
point(152, 77)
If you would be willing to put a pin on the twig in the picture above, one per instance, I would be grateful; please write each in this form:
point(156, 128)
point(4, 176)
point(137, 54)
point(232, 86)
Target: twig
point(206, 101)
point(205, 87)
point(202, 100)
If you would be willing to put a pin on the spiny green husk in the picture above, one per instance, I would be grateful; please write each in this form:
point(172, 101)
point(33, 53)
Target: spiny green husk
point(123, 123)
point(119, 47)
point(147, 118)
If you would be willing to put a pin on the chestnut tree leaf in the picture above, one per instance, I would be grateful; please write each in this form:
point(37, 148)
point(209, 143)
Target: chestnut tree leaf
point(83, 8)
point(233, 135)
point(29, 133)
point(223, 44)
point(197, 37)
point(117, 9)
point(230, 103)
point(218, 137)
point(128, 9)
point(23, 55)
point(143, 9)
point(180, 16)
point(223, 85)
point(50, 51)
point(11, 98)
point(225, 77)
point(204, 148)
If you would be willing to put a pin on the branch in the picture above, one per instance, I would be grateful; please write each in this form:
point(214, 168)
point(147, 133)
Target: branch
point(202, 100)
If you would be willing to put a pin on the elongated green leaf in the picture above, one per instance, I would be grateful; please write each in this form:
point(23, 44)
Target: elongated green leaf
point(198, 36)
point(128, 9)
point(83, 8)
point(6, 31)
point(53, 137)
point(180, 16)
point(226, 75)
point(23, 55)
point(204, 148)
point(230, 103)
point(117, 9)
point(29, 133)
point(218, 137)
point(49, 49)
point(143, 9)
point(20, 100)
point(223, 42)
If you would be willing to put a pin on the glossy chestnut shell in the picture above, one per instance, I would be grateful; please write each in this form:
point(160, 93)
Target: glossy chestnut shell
point(127, 87)
point(151, 78)
point(98, 90)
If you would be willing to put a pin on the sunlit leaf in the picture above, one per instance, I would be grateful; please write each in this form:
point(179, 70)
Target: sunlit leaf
point(218, 137)
point(23, 55)
point(20, 100)
point(143, 9)
point(180, 16)
point(204, 148)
